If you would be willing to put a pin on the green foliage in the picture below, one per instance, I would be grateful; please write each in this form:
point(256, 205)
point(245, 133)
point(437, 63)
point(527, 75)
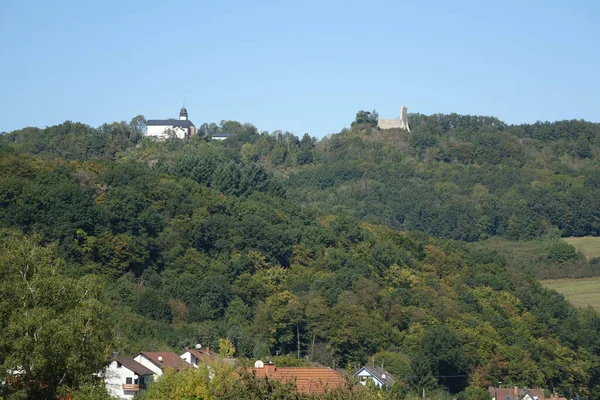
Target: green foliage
point(55, 331)
point(396, 363)
point(76, 141)
point(284, 244)
point(420, 375)
point(188, 384)
point(474, 393)
point(93, 391)
point(148, 302)
point(237, 384)
point(441, 347)
point(460, 177)
point(226, 348)
point(366, 118)
point(560, 251)
point(290, 361)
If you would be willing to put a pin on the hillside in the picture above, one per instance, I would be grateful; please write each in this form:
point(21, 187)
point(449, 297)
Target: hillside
point(356, 244)
point(460, 177)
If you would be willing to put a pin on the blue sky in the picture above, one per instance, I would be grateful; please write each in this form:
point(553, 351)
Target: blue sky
point(301, 66)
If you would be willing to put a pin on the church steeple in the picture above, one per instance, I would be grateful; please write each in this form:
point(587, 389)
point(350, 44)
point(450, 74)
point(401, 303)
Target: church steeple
point(183, 114)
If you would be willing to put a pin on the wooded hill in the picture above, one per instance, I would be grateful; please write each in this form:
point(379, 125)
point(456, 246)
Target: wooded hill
point(357, 243)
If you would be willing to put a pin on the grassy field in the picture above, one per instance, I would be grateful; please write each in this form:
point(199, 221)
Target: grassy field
point(533, 256)
point(516, 253)
point(580, 292)
point(588, 245)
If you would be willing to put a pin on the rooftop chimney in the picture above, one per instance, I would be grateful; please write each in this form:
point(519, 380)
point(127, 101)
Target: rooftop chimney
point(269, 368)
point(207, 350)
point(516, 391)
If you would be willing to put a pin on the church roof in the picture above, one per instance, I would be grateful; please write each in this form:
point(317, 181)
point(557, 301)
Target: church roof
point(182, 123)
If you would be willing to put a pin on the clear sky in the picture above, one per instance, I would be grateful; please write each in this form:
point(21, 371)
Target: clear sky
point(301, 66)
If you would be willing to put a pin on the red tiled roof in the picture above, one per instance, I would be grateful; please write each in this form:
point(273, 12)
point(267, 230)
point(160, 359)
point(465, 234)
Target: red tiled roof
point(308, 380)
point(501, 393)
point(169, 359)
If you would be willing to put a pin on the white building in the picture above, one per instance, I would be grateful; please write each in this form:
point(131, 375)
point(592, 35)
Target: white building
point(124, 377)
point(163, 129)
point(157, 361)
point(198, 355)
point(221, 136)
point(377, 375)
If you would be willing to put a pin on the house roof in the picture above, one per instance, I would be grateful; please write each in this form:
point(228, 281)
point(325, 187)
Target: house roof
point(203, 353)
point(502, 393)
point(379, 373)
point(133, 365)
point(182, 123)
point(308, 380)
point(169, 359)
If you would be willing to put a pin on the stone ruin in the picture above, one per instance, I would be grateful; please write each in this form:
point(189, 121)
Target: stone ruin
point(397, 123)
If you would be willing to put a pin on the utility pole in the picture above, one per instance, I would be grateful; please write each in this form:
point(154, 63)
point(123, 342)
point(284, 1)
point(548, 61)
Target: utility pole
point(298, 333)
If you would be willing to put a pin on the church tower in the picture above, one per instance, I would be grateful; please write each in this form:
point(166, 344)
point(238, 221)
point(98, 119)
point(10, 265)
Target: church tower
point(183, 114)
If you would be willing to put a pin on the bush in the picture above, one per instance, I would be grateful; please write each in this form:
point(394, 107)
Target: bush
point(561, 251)
point(474, 393)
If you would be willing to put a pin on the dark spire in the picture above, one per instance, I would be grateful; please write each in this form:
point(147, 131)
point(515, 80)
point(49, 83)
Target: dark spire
point(183, 114)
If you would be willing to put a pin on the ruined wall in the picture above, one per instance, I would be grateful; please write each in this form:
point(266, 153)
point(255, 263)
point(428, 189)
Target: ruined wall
point(389, 123)
point(396, 123)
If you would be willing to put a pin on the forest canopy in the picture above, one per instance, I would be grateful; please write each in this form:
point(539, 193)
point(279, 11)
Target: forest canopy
point(360, 244)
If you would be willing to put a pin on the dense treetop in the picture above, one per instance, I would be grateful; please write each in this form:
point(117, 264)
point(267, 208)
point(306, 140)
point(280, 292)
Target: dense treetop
point(357, 243)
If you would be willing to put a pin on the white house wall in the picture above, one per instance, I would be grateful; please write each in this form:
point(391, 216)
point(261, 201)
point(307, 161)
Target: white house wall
point(367, 374)
point(149, 364)
point(114, 378)
point(190, 358)
point(162, 131)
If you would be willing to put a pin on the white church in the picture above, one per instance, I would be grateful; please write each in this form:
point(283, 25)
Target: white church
point(162, 129)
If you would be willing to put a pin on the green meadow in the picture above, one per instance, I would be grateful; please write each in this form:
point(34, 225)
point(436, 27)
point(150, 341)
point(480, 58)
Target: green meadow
point(580, 292)
point(588, 245)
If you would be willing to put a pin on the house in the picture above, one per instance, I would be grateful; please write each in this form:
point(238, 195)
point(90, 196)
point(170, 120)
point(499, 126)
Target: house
point(124, 377)
point(517, 393)
point(378, 375)
point(308, 380)
point(158, 361)
point(222, 136)
point(199, 354)
point(162, 129)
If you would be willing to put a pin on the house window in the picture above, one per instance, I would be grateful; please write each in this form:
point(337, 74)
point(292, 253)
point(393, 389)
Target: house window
point(119, 365)
point(128, 381)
